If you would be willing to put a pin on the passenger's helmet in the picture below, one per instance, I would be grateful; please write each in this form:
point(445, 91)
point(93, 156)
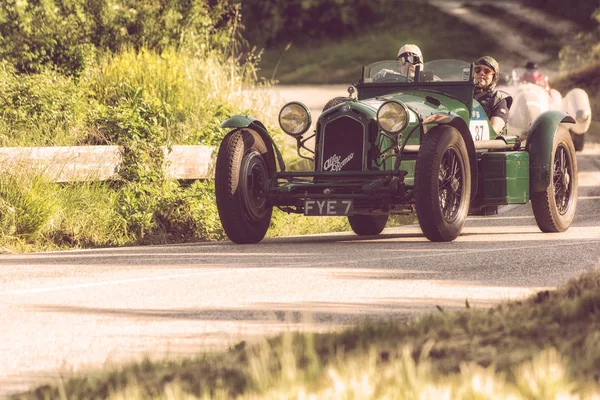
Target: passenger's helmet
point(411, 49)
point(493, 64)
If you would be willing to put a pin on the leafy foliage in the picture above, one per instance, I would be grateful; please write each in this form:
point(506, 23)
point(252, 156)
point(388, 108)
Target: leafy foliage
point(44, 109)
point(282, 21)
point(66, 35)
point(579, 11)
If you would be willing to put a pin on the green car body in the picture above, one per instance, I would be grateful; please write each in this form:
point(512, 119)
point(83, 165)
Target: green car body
point(398, 145)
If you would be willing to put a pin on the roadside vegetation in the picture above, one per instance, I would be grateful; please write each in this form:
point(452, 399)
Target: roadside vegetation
point(544, 347)
point(77, 73)
point(336, 52)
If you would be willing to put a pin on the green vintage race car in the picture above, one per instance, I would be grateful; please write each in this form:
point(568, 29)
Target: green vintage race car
point(397, 145)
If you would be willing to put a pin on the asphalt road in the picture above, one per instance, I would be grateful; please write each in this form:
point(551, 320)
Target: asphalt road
point(68, 312)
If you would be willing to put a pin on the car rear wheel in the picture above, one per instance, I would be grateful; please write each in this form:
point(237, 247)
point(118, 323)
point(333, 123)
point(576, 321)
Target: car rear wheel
point(442, 184)
point(243, 165)
point(554, 208)
point(364, 225)
point(578, 141)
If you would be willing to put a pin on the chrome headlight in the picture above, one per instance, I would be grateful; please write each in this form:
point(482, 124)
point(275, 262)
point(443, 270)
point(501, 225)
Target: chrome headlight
point(392, 117)
point(294, 118)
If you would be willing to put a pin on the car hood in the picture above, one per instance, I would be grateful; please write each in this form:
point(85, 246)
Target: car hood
point(423, 102)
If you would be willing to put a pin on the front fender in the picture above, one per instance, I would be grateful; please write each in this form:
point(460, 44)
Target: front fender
point(246, 121)
point(239, 121)
point(540, 145)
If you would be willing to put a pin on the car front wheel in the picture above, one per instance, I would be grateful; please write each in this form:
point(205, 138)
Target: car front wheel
point(554, 208)
point(242, 168)
point(442, 184)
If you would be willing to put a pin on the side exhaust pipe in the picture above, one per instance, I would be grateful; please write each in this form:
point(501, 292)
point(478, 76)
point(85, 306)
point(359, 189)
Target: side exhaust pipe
point(500, 143)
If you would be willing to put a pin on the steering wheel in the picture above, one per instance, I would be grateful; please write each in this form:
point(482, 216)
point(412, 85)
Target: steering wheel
point(391, 77)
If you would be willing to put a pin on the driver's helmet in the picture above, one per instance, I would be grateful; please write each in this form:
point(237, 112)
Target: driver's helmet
point(493, 64)
point(531, 66)
point(531, 74)
point(410, 53)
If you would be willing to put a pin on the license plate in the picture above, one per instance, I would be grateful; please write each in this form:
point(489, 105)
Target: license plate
point(328, 207)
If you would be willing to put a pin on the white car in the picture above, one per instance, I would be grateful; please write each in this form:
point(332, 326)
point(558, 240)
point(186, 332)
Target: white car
point(531, 99)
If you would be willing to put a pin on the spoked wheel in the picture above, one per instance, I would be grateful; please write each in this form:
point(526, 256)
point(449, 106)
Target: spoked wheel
point(442, 184)
point(554, 208)
point(364, 225)
point(243, 166)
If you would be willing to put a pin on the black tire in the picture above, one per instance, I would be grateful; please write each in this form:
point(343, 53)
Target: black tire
point(554, 208)
point(578, 141)
point(442, 184)
point(334, 102)
point(243, 165)
point(364, 225)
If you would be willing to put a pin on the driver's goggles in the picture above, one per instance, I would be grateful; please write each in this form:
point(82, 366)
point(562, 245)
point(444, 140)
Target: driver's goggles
point(410, 58)
point(483, 70)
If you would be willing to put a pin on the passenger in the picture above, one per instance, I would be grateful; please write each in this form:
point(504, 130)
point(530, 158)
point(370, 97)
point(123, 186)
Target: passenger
point(409, 56)
point(495, 106)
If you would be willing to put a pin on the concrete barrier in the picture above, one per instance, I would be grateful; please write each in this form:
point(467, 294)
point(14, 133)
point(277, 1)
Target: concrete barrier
point(85, 163)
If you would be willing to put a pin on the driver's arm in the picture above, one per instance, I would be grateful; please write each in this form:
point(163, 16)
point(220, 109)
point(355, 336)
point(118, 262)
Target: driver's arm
point(498, 124)
point(382, 73)
point(499, 117)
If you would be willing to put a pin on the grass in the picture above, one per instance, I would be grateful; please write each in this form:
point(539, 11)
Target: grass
point(439, 35)
point(544, 347)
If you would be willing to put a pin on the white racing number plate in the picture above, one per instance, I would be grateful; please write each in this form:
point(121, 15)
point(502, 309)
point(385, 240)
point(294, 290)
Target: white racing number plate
point(328, 207)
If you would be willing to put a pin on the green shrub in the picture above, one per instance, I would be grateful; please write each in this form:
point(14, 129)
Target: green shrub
point(44, 109)
point(66, 35)
point(185, 96)
point(188, 213)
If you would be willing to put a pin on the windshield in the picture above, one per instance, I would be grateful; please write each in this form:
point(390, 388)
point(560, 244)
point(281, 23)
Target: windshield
point(432, 71)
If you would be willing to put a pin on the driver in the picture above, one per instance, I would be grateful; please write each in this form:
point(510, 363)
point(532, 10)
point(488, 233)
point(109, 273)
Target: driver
point(532, 74)
point(409, 56)
point(495, 106)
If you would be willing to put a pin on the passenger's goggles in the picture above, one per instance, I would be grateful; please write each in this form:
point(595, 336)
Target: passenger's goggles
point(483, 70)
point(410, 58)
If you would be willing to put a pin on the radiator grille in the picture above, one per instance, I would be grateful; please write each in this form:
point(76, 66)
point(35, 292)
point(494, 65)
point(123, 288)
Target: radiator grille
point(343, 145)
